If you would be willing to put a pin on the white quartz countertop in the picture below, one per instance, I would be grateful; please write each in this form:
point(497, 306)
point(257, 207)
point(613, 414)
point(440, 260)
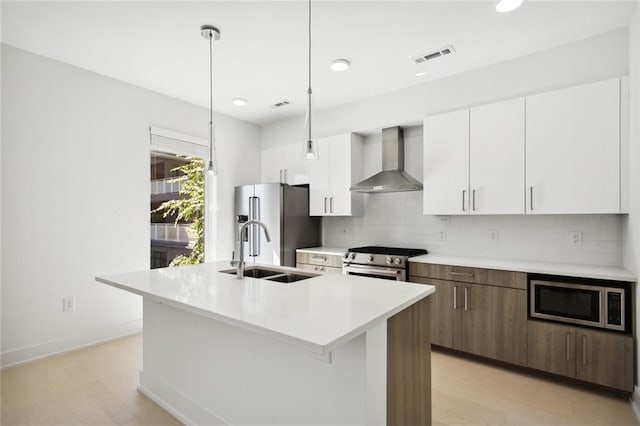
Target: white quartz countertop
point(615, 273)
point(319, 313)
point(323, 250)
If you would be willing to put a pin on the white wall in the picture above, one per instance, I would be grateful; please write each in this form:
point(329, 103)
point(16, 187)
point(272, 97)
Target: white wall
point(75, 197)
point(631, 224)
point(396, 219)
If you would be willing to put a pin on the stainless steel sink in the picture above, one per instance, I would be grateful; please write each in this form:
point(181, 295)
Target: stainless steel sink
point(277, 275)
point(255, 272)
point(289, 278)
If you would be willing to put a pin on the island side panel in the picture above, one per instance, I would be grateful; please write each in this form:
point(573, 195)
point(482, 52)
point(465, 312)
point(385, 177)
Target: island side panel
point(409, 366)
point(205, 368)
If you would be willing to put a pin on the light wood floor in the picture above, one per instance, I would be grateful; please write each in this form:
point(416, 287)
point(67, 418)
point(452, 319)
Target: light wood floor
point(97, 386)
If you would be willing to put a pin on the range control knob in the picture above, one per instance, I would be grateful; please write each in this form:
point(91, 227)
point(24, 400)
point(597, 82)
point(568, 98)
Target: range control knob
point(353, 256)
point(370, 258)
point(388, 260)
point(397, 261)
point(346, 255)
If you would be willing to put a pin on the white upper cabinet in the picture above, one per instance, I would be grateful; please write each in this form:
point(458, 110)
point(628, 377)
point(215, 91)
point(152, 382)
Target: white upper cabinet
point(553, 153)
point(446, 163)
point(338, 167)
point(573, 150)
point(496, 161)
point(284, 164)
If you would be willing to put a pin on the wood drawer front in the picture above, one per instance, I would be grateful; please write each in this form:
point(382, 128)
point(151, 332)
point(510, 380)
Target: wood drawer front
point(469, 275)
point(332, 260)
point(319, 269)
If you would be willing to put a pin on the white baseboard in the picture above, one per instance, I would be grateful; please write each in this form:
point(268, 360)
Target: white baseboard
point(177, 404)
point(635, 402)
point(42, 350)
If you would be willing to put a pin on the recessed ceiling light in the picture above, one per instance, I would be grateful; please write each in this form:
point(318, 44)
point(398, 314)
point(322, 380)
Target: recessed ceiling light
point(505, 6)
point(239, 101)
point(421, 73)
point(340, 65)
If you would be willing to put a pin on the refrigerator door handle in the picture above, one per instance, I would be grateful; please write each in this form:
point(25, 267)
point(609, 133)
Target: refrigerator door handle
point(256, 228)
point(252, 231)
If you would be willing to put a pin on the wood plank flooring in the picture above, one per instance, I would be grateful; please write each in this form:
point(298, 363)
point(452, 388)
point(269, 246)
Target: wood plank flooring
point(97, 386)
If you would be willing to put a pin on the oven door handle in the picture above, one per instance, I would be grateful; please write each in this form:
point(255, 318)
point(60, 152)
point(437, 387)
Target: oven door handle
point(365, 270)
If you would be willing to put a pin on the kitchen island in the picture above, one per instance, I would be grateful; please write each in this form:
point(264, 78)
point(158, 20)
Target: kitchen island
point(331, 349)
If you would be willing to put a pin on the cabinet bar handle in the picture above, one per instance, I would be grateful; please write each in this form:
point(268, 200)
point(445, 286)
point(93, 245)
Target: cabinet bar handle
point(531, 198)
point(465, 298)
point(455, 297)
point(331, 204)
point(325, 204)
point(319, 258)
point(584, 350)
point(473, 197)
point(568, 346)
point(461, 274)
point(464, 193)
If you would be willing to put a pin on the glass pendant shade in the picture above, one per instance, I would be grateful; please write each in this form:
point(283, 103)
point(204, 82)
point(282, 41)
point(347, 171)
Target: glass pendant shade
point(311, 151)
point(310, 147)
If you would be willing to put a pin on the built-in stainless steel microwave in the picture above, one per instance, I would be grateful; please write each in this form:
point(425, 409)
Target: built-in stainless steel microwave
point(577, 303)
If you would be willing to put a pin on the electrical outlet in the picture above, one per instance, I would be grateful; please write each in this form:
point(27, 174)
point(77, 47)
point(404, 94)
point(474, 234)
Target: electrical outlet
point(575, 238)
point(68, 304)
point(494, 235)
point(443, 219)
point(442, 235)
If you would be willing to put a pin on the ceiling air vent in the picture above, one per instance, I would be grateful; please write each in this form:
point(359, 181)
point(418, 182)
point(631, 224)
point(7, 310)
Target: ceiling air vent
point(420, 59)
point(281, 104)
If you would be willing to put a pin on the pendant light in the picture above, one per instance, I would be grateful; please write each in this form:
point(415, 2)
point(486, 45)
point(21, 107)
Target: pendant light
point(211, 33)
point(310, 147)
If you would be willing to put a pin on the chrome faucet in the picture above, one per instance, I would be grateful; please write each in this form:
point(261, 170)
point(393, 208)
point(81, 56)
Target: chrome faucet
point(239, 264)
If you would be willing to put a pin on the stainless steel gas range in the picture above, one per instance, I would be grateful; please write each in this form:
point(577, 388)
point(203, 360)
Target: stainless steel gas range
point(389, 263)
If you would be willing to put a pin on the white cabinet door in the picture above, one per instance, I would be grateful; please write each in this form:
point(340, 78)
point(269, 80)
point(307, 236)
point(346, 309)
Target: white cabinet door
point(319, 186)
point(272, 164)
point(446, 163)
point(496, 162)
point(573, 150)
point(296, 169)
point(340, 175)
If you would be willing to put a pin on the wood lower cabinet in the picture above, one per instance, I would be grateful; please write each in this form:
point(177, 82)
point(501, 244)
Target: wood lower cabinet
point(552, 348)
point(599, 357)
point(605, 358)
point(324, 263)
point(446, 319)
point(479, 319)
point(494, 323)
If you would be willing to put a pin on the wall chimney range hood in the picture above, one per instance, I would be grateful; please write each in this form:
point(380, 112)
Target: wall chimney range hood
point(392, 178)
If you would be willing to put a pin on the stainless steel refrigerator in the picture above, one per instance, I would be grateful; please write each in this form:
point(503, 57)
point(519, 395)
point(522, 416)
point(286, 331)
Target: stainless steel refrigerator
point(284, 209)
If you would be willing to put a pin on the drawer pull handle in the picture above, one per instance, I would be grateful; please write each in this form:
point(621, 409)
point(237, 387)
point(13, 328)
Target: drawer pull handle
point(319, 258)
point(461, 274)
point(466, 299)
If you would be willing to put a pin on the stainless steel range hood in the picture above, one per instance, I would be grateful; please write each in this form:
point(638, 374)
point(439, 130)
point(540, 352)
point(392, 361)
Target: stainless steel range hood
point(392, 178)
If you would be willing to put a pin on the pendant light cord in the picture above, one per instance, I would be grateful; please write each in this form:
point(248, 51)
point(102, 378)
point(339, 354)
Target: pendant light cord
point(212, 160)
point(309, 89)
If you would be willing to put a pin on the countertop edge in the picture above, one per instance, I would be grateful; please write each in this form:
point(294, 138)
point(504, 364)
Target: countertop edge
point(323, 250)
point(548, 268)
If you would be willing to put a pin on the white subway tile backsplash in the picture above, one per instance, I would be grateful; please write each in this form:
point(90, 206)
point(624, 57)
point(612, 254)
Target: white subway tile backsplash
point(396, 219)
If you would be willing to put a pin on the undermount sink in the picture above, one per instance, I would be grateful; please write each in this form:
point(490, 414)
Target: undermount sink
point(255, 272)
point(271, 274)
point(289, 278)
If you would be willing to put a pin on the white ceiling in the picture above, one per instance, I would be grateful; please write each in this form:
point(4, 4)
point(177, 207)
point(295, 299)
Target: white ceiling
point(262, 54)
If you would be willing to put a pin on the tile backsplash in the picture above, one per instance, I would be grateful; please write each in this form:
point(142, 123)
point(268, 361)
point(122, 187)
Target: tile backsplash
point(396, 219)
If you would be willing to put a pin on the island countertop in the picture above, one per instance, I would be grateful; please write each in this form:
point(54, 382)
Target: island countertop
point(319, 313)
